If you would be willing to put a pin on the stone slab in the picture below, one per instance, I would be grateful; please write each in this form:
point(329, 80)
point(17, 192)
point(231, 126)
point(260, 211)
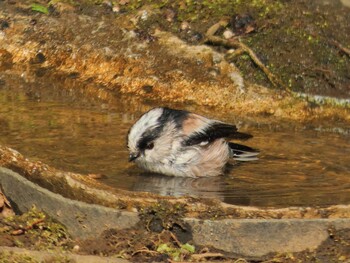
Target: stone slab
point(259, 237)
point(81, 219)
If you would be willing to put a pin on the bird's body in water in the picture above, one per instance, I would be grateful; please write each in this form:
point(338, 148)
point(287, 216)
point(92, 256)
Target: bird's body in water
point(181, 143)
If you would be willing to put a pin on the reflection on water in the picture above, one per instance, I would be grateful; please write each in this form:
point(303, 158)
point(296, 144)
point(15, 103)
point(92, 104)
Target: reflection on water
point(70, 132)
point(174, 186)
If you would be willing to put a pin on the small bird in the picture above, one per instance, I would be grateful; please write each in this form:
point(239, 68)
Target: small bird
point(180, 143)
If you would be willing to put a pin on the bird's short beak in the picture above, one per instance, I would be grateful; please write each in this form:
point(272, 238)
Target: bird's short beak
point(133, 156)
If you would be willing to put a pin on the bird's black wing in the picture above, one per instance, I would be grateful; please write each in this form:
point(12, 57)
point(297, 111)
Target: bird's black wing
point(213, 131)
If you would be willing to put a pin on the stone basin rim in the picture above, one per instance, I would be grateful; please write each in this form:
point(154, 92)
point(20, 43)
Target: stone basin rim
point(245, 237)
point(102, 191)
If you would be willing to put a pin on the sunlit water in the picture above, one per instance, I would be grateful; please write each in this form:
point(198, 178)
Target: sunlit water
point(306, 167)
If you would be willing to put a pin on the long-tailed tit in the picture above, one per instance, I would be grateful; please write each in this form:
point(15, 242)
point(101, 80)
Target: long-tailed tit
point(181, 143)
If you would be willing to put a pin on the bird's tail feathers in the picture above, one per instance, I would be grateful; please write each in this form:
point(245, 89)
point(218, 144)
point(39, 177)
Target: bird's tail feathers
point(243, 153)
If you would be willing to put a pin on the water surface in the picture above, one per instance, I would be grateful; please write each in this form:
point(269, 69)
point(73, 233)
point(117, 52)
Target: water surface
point(62, 127)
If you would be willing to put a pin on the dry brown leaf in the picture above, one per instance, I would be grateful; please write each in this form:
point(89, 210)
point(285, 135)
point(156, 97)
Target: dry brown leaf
point(5, 206)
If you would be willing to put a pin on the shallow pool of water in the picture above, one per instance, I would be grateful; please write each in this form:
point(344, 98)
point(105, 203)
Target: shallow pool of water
point(62, 127)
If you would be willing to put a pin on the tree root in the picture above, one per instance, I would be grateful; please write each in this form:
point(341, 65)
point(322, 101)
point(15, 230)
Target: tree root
point(241, 48)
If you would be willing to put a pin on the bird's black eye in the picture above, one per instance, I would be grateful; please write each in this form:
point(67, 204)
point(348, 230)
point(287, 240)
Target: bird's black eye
point(150, 146)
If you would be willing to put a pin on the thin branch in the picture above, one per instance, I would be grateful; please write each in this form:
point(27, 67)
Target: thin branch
point(22, 230)
point(340, 47)
point(207, 255)
point(178, 243)
point(147, 251)
point(241, 48)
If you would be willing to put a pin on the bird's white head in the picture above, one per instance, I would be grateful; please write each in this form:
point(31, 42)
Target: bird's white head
point(151, 138)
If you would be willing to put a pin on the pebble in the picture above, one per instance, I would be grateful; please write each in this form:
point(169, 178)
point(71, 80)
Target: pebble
point(217, 58)
point(237, 79)
point(228, 34)
point(144, 15)
point(185, 26)
point(116, 9)
point(76, 248)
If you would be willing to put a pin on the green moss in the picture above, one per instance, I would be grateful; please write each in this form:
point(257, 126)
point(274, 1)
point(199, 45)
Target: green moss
point(38, 230)
point(176, 254)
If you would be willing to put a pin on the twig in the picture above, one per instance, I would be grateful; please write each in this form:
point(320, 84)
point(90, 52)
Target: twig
point(206, 255)
point(204, 250)
point(173, 261)
point(274, 80)
point(175, 239)
point(148, 224)
point(22, 230)
point(341, 47)
point(144, 251)
point(240, 260)
point(235, 53)
point(35, 223)
point(241, 48)
point(214, 28)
